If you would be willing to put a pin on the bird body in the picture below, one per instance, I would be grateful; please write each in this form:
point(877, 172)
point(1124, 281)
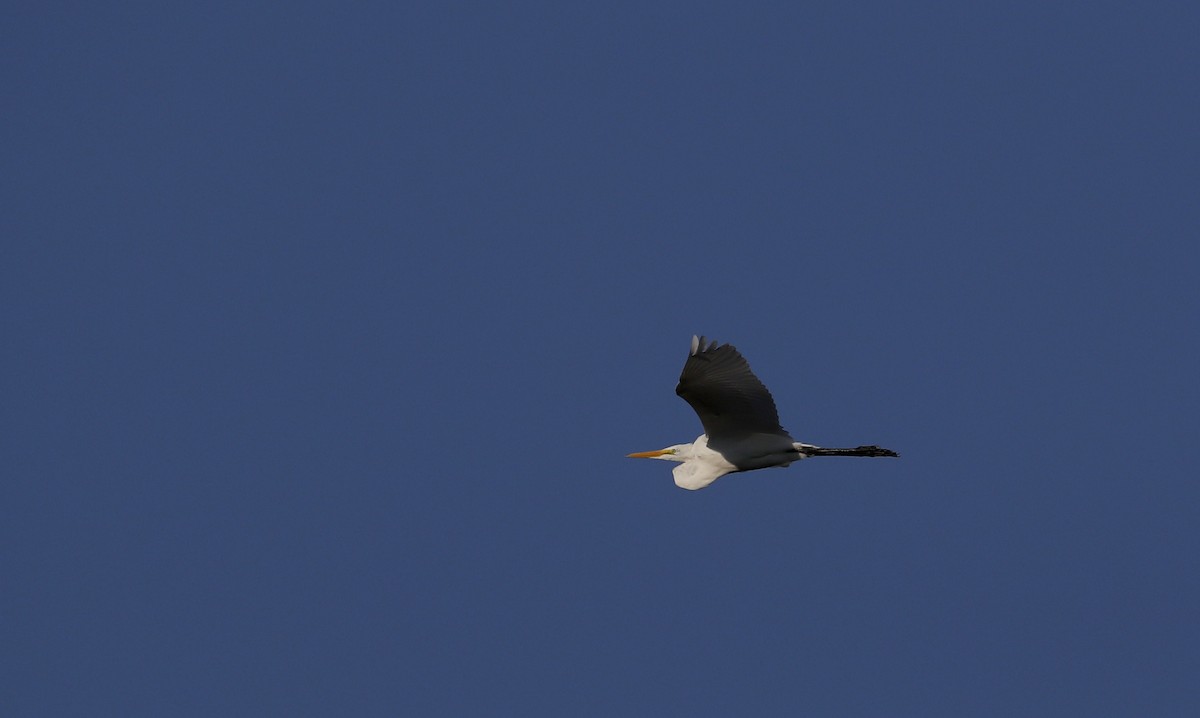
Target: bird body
point(741, 424)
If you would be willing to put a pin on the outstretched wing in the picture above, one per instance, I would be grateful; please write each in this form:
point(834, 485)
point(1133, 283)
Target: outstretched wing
point(730, 401)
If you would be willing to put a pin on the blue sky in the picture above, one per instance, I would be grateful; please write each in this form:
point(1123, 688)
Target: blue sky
point(330, 326)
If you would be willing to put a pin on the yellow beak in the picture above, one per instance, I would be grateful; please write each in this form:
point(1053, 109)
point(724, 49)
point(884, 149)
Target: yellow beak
point(649, 454)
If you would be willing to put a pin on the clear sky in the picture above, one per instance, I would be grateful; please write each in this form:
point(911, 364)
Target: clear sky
point(329, 326)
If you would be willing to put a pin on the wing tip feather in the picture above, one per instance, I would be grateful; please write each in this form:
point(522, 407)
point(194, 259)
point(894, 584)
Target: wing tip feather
point(702, 344)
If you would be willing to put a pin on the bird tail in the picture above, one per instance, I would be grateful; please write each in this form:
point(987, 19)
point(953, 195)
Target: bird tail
point(810, 450)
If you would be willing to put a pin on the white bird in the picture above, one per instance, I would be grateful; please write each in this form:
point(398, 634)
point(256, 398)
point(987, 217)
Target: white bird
point(741, 424)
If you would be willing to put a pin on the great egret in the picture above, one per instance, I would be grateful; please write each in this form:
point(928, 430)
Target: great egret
point(741, 424)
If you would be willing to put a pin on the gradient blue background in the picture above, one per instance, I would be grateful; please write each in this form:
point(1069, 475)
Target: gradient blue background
point(328, 328)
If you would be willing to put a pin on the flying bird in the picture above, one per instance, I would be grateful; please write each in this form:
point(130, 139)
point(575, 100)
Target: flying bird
point(741, 424)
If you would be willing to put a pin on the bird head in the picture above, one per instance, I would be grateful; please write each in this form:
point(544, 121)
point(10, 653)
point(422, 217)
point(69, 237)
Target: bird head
point(679, 452)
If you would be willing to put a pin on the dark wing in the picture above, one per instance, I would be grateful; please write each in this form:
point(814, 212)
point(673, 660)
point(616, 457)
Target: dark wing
point(729, 399)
